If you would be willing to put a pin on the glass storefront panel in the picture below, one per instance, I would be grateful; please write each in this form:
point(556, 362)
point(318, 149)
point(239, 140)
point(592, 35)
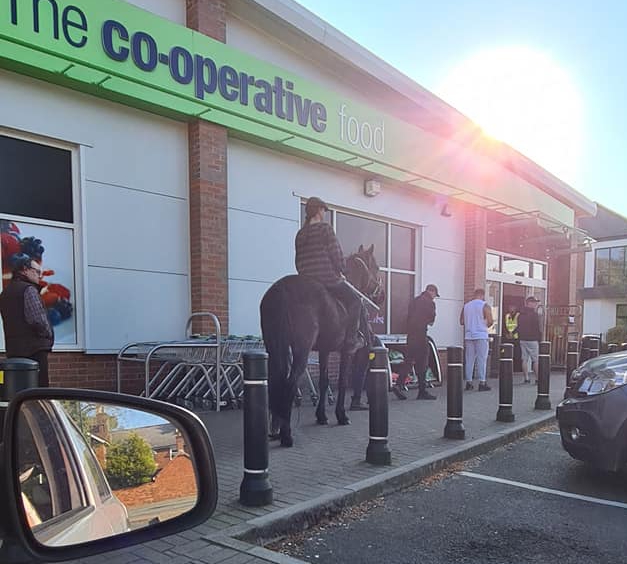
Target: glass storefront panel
point(493, 263)
point(493, 298)
point(403, 254)
point(517, 267)
point(402, 293)
point(353, 231)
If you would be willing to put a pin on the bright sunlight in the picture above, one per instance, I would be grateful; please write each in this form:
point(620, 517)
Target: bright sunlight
point(525, 99)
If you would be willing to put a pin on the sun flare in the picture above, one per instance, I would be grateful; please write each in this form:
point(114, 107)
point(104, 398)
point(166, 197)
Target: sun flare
point(524, 98)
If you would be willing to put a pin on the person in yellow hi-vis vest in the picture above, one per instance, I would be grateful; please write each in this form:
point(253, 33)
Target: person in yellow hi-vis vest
point(511, 323)
point(510, 333)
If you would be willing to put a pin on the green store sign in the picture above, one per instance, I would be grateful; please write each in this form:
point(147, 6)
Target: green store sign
point(117, 51)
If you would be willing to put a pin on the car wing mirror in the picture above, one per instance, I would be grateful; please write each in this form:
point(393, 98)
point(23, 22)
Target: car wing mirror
point(86, 466)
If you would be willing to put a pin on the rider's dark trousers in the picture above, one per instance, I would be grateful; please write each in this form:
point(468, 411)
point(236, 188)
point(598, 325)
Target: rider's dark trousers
point(352, 303)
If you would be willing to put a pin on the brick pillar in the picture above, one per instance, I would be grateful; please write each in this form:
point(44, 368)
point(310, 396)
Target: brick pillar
point(476, 231)
point(208, 188)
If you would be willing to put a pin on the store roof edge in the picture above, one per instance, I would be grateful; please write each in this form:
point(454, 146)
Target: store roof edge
point(316, 29)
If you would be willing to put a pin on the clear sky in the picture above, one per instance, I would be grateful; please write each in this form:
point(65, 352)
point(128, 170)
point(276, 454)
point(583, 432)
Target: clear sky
point(547, 76)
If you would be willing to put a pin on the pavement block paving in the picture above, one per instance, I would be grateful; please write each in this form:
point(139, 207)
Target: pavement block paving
point(326, 468)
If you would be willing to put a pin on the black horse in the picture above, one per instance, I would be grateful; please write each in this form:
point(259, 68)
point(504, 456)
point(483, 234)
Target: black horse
point(299, 315)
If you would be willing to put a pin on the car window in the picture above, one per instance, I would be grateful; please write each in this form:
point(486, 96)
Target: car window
point(87, 457)
point(44, 452)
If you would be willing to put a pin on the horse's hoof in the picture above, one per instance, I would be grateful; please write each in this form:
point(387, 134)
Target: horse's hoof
point(274, 436)
point(322, 421)
point(287, 443)
point(344, 421)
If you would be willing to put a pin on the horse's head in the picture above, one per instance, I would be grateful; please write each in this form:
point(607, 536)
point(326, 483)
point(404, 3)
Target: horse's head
point(362, 271)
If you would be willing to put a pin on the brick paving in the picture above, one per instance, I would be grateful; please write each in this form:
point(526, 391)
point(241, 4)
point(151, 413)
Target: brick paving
point(323, 461)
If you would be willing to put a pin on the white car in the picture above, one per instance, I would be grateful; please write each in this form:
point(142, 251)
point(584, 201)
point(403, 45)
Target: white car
point(77, 505)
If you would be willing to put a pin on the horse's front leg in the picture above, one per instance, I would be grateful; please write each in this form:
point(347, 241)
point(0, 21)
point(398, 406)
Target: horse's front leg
point(340, 412)
point(323, 386)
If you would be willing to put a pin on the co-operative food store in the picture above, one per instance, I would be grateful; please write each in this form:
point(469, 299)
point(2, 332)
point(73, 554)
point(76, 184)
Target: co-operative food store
point(161, 151)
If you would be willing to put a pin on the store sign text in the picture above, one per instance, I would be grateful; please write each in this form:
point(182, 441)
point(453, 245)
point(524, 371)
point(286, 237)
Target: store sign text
point(277, 97)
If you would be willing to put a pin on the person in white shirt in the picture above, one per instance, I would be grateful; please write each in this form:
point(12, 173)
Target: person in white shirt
point(476, 317)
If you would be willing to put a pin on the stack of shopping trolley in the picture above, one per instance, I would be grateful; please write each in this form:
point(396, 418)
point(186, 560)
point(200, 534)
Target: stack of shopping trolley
point(199, 371)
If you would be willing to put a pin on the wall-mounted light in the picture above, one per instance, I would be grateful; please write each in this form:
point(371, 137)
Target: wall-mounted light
point(372, 188)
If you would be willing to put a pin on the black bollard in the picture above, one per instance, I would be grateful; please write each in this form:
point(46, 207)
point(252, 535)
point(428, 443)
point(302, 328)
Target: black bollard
point(544, 376)
point(612, 348)
point(494, 362)
point(378, 451)
point(506, 384)
point(255, 489)
point(595, 346)
point(16, 374)
point(454, 428)
point(571, 360)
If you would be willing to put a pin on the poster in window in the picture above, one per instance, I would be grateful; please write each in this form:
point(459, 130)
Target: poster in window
point(53, 249)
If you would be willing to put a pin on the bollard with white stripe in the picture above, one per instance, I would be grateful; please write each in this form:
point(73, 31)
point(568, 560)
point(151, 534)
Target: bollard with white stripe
point(16, 374)
point(377, 384)
point(572, 359)
point(506, 384)
point(544, 376)
point(255, 489)
point(595, 346)
point(454, 428)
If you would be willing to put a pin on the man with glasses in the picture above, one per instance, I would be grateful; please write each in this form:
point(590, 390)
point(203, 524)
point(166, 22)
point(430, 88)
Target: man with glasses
point(27, 331)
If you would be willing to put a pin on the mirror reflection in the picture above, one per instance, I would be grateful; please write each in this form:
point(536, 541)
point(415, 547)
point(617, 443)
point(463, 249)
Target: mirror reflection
point(91, 470)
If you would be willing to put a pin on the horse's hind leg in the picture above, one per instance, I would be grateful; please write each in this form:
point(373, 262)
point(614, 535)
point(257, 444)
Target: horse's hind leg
point(340, 412)
point(299, 363)
point(323, 386)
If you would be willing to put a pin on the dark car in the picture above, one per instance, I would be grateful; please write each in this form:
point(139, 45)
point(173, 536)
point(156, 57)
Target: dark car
point(593, 416)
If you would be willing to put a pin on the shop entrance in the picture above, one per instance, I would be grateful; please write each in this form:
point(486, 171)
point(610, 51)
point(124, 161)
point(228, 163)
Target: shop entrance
point(509, 281)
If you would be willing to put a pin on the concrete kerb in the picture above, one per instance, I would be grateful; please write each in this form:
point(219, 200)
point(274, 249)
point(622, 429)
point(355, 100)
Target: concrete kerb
point(298, 517)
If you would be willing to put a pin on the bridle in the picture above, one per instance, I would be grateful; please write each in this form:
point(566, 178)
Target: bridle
point(373, 284)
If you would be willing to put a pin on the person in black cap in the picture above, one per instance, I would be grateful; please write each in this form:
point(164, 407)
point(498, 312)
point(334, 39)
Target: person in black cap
point(319, 256)
point(27, 331)
point(421, 314)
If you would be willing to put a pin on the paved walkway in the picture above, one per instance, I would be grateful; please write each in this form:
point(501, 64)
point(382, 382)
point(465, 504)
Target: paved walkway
point(326, 469)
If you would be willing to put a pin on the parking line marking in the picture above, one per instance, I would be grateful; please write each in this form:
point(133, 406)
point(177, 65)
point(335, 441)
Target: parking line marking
point(540, 489)
point(552, 433)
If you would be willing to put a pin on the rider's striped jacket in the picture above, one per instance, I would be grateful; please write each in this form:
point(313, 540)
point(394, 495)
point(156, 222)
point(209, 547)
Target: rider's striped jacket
point(318, 253)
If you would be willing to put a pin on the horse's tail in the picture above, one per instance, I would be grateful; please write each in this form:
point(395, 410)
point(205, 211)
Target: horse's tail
point(275, 329)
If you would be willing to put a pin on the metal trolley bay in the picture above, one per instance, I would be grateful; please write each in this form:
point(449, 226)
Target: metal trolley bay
point(197, 371)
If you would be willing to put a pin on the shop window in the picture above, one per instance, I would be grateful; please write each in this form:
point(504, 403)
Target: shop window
point(515, 266)
point(403, 253)
point(621, 315)
point(37, 219)
point(538, 271)
point(36, 180)
point(353, 231)
point(493, 263)
point(611, 267)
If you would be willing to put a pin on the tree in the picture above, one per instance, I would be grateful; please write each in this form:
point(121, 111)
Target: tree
point(130, 462)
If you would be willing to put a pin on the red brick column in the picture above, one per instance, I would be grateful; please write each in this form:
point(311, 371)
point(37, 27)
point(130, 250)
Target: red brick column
point(476, 231)
point(208, 188)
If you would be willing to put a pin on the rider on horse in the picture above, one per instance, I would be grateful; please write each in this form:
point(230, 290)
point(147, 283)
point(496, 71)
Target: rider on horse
point(319, 256)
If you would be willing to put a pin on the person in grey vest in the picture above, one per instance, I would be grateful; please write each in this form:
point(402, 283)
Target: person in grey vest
point(476, 317)
point(27, 331)
point(530, 335)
